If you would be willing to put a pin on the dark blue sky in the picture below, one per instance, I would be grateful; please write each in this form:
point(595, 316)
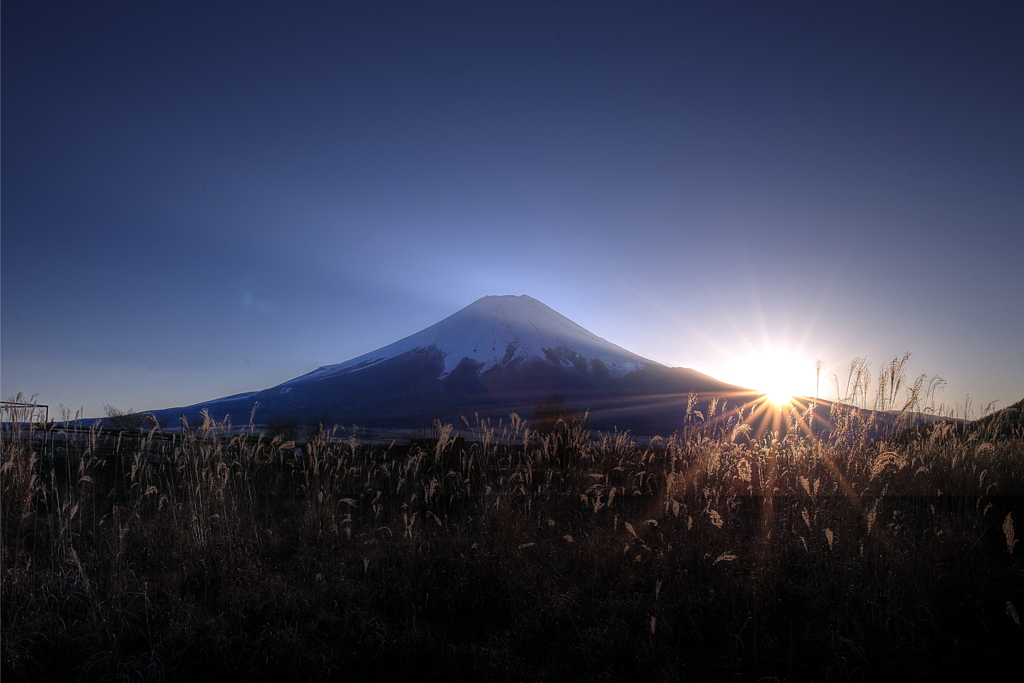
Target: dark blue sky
point(205, 198)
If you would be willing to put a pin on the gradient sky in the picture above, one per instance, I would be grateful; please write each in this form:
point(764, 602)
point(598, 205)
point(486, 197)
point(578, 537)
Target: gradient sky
point(200, 199)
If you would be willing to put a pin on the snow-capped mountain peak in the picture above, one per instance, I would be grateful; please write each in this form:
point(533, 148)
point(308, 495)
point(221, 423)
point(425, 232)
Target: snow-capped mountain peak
point(503, 331)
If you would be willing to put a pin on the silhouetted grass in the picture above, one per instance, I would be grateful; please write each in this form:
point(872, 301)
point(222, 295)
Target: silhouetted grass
point(524, 555)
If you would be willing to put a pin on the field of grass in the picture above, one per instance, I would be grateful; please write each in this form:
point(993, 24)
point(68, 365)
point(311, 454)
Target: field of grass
point(519, 555)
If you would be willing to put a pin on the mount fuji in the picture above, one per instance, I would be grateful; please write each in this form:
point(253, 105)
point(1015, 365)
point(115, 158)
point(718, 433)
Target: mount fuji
point(499, 355)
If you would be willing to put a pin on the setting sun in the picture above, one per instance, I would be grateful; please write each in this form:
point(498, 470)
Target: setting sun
point(776, 373)
point(779, 399)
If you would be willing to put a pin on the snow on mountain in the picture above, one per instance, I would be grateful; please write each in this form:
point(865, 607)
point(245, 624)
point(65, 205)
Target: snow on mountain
point(501, 331)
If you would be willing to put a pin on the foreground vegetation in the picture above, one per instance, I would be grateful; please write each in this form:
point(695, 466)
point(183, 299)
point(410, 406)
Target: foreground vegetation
point(520, 553)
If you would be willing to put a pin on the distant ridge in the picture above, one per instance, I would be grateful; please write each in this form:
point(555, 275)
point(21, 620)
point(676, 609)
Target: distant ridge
point(1006, 423)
